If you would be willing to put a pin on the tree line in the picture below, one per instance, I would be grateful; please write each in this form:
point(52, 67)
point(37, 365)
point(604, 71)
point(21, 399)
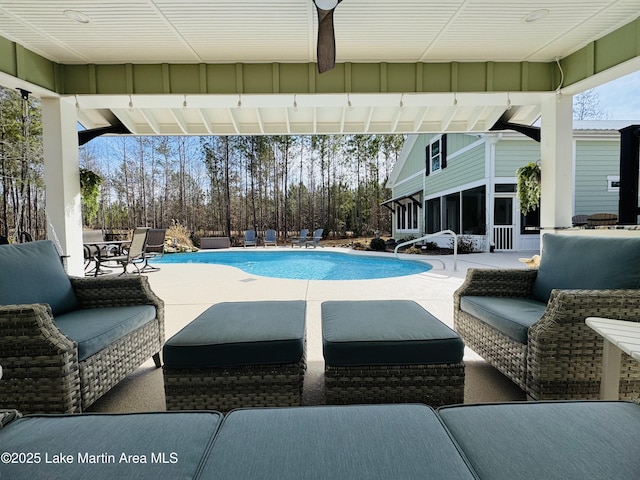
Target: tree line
point(210, 185)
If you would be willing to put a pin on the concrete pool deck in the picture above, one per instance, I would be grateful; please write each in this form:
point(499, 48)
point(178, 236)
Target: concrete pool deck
point(189, 289)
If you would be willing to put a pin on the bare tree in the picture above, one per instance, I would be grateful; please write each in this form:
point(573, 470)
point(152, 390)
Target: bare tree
point(586, 106)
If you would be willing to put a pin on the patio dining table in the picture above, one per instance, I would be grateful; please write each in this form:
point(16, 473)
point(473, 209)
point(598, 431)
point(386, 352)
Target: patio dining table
point(110, 247)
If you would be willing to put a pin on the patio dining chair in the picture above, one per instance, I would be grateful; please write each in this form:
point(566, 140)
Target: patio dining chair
point(134, 252)
point(154, 248)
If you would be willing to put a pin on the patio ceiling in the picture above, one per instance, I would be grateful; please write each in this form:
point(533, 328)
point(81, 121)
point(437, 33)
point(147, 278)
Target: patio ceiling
point(247, 67)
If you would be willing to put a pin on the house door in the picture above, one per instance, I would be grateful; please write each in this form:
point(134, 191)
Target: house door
point(504, 223)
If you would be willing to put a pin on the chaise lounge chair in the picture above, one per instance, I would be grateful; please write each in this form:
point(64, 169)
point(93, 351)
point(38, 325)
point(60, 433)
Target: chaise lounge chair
point(270, 238)
point(317, 236)
point(302, 238)
point(250, 238)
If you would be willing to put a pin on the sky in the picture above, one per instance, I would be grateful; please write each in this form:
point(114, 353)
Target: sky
point(621, 98)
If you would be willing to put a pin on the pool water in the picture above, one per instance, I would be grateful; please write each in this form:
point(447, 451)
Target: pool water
point(305, 265)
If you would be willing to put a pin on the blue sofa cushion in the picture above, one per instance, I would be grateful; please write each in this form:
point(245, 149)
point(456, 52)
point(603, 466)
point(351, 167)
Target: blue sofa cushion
point(33, 273)
point(389, 332)
point(563, 440)
point(100, 446)
point(587, 262)
point(511, 316)
point(348, 442)
point(240, 333)
point(96, 328)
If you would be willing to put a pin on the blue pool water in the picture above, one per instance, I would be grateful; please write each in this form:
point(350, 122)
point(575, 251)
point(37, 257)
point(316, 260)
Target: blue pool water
point(305, 265)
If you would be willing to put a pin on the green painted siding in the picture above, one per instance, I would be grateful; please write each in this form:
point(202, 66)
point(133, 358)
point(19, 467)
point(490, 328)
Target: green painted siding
point(512, 154)
point(410, 186)
point(459, 141)
point(461, 169)
point(595, 160)
point(416, 159)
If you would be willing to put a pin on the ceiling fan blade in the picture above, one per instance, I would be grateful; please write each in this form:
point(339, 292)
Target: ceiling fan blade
point(326, 51)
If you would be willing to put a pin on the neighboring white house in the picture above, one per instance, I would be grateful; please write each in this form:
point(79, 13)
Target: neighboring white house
point(467, 183)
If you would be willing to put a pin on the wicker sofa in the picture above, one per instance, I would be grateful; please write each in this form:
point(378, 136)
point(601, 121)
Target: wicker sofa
point(65, 341)
point(530, 323)
point(523, 440)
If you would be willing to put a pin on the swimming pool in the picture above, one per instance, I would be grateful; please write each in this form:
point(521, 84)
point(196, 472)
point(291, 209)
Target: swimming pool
point(305, 265)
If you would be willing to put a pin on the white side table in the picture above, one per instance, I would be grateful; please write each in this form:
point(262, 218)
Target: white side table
point(619, 336)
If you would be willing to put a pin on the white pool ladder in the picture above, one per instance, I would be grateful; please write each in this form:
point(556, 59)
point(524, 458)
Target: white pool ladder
point(432, 257)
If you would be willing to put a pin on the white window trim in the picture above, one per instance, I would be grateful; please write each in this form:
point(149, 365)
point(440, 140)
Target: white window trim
point(610, 180)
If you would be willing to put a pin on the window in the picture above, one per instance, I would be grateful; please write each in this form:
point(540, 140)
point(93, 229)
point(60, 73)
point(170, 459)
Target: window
point(407, 216)
point(474, 211)
point(463, 212)
point(433, 215)
point(613, 183)
point(436, 153)
point(530, 223)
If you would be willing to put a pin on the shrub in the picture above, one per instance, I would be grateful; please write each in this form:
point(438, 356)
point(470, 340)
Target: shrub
point(431, 246)
point(465, 244)
point(378, 244)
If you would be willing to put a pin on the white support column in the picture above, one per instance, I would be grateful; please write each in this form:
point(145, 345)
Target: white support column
point(62, 180)
point(556, 160)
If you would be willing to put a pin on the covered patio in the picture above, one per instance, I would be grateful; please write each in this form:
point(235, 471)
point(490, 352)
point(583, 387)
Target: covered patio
point(167, 67)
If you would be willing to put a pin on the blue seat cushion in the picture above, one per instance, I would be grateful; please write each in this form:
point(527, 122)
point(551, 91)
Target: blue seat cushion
point(563, 440)
point(511, 316)
point(587, 263)
point(348, 442)
point(240, 333)
point(396, 332)
point(96, 328)
point(168, 445)
point(33, 273)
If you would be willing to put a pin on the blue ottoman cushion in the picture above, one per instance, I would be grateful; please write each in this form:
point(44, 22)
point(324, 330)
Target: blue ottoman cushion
point(389, 332)
point(240, 333)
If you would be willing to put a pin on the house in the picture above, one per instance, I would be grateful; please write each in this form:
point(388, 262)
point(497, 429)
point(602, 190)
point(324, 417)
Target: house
point(467, 183)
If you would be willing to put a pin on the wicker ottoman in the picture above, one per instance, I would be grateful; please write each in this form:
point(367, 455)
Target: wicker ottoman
point(237, 354)
point(389, 352)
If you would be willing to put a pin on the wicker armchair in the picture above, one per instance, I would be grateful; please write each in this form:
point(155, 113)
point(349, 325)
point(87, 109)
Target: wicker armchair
point(561, 357)
point(44, 369)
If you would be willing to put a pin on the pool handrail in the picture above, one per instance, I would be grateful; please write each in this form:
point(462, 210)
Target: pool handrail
point(431, 235)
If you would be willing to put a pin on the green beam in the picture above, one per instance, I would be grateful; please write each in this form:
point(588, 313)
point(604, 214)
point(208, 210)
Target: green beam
point(265, 78)
point(611, 50)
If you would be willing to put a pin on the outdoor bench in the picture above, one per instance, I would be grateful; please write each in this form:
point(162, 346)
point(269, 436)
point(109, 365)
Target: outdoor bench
point(578, 440)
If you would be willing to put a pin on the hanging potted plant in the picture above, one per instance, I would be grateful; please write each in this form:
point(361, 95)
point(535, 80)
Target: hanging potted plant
point(89, 191)
point(529, 187)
